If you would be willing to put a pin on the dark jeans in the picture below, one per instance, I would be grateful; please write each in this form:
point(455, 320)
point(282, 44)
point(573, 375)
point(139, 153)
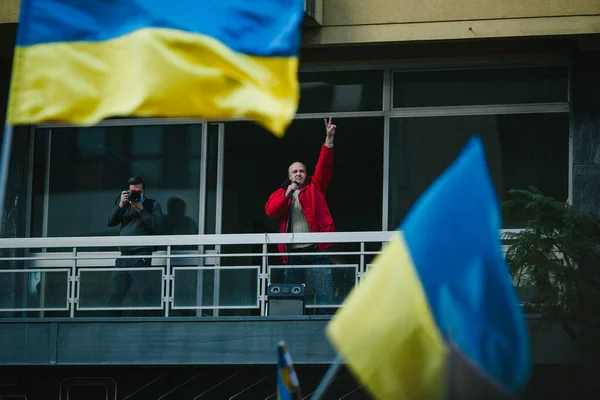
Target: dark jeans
point(121, 283)
point(320, 279)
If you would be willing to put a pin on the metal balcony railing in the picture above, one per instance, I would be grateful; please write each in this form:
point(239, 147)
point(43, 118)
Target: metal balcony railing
point(190, 275)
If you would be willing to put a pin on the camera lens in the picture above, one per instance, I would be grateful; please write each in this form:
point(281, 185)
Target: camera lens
point(134, 196)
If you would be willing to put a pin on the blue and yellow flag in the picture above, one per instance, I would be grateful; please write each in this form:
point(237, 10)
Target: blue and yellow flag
point(288, 385)
point(439, 297)
point(81, 61)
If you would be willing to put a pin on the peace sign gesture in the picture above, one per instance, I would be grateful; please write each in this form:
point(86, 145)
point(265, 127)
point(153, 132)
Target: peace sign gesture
point(329, 128)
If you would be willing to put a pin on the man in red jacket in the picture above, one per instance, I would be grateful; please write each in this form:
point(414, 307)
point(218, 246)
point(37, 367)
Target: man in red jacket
point(300, 205)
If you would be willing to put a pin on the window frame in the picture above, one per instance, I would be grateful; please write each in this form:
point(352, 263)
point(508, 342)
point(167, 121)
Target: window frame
point(388, 112)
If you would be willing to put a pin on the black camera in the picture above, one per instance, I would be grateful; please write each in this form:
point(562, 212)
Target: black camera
point(135, 196)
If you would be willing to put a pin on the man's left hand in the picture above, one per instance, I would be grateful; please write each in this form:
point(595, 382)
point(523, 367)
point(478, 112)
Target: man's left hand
point(137, 206)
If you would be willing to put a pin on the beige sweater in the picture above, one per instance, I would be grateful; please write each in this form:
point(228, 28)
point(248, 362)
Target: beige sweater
point(299, 223)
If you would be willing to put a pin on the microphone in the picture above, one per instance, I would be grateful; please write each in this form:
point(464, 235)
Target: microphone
point(292, 191)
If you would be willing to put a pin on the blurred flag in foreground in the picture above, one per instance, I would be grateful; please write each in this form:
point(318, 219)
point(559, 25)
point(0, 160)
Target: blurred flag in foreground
point(437, 316)
point(83, 61)
point(288, 385)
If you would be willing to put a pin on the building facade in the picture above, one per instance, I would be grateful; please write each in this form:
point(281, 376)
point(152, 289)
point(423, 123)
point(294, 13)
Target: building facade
point(406, 83)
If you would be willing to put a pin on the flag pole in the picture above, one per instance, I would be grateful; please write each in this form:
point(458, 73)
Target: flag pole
point(328, 378)
point(4, 168)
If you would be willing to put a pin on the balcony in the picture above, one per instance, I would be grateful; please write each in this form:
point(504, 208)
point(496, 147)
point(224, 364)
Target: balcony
point(70, 277)
point(202, 300)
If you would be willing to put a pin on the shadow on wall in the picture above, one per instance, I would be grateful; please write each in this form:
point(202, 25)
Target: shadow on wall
point(175, 222)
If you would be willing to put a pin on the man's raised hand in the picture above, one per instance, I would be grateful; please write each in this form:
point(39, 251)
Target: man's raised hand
point(329, 131)
point(124, 198)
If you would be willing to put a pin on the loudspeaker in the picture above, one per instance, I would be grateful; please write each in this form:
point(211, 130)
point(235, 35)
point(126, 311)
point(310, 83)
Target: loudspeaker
point(285, 299)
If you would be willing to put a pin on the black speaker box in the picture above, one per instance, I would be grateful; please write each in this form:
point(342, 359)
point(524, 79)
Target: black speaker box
point(285, 299)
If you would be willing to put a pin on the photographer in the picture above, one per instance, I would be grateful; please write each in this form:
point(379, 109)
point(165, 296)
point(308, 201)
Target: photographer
point(138, 215)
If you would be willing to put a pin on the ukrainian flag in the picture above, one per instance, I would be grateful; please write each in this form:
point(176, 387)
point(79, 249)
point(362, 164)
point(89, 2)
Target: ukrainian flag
point(288, 385)
point(81, 61)
point(439, 300)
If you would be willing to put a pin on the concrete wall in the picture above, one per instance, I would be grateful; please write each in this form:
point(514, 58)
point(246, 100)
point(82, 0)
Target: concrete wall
point(9, 11)
point(359, 12)
point(376, 21)
point(585, 128)
point(204, 341)
point(358, 21)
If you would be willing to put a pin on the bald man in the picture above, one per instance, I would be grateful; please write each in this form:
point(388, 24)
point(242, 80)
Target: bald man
point(301, 207)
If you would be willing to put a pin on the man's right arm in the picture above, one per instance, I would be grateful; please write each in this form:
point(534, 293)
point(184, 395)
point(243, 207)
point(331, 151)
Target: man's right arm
point(116, 216)
point(324, 168)
point(277, 204)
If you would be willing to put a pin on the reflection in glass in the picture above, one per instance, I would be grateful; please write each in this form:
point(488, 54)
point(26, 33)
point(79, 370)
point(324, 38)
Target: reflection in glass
point(339, 91)
point(480, 87)
point(176, 221)
point(521, 150)
point(89, 167)
point(241, 294)
point(35, 289)
point(145, 290)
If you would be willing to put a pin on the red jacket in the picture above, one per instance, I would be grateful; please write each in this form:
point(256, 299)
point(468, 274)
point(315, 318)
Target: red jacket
point(312, 200)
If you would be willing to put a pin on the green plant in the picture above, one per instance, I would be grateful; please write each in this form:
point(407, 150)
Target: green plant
point(557, 255)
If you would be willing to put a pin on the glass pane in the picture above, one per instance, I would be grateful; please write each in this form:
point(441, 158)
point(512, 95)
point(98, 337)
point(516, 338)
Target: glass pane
point(151, 168)
point(92, 145)
point(17, 203)
point(522, 150)
point(343, 277)
point(193, 287)
point(34, 289)
point(341, 91)
point(147, 140)
point(120, 288)
point(250, 177)
point(238, 287)
point(480, 87)
point(89, 167)
point(212, 166)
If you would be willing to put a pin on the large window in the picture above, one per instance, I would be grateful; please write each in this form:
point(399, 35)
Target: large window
point(256, 164)
point(521, 150)
point(341, 91)
point(476, 87)
point(397, 131)
point(80, 172)
point(520, 113)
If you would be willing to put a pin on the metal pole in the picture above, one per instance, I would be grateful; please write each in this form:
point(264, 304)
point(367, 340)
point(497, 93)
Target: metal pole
point(328, 378)
point(169, 282)
point(4, 167)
